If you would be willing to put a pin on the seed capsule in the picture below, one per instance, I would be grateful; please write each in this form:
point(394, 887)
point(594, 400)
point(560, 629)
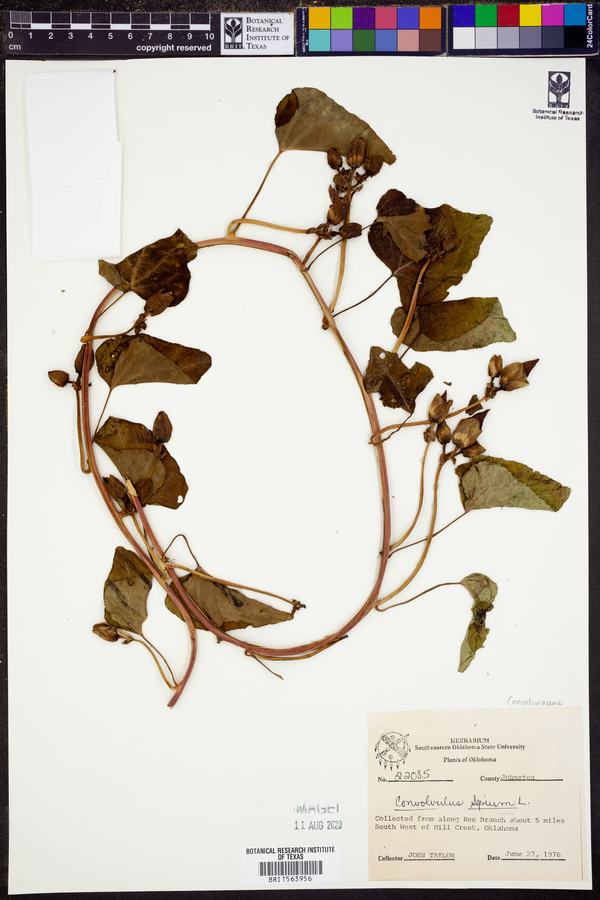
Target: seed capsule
point(514, 376)
point(495, 366)
point(440, 407)
point(116, 489)
point(334, 158)
point(58, 377)
point(466, 432)
point(158, 302)
point(79, 359)
point(474, 450)
point(443, 433)
point(337, 211)
point(372, 165)
point(351, 230)
point(357, 153)
point(450, 242)
point(106, 632)
point(162, 428)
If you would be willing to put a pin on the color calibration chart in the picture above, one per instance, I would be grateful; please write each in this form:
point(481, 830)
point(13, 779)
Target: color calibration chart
point(557, 28)
point(472, 29)
point(370, 29)
point(520, 29)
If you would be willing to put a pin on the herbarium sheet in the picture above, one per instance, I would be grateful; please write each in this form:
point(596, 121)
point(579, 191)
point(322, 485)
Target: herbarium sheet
point(278, 475)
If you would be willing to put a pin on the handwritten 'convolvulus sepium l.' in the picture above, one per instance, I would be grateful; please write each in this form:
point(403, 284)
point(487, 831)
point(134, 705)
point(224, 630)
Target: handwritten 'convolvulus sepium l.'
point(427, 252)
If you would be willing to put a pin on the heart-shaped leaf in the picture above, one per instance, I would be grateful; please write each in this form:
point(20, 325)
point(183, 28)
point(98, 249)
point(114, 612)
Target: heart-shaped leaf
point(398, 386)
point(455, 325)
point(408, 232)
point(453, 241)
point(307, 119)
point(487, 482)
point(158, 268)
point(483, 591)
point(141, 358)
point(143, 460)
point(226, 607)
point(126, 591)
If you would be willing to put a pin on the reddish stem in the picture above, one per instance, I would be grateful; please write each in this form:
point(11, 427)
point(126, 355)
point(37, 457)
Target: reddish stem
point(180, 597)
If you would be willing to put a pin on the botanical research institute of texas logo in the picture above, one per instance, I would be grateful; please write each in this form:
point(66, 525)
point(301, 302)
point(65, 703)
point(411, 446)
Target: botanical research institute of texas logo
point(559, 90)
point(233, 29)
point(392, 749)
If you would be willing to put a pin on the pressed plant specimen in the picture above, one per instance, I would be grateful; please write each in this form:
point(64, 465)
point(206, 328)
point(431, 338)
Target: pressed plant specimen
point(427, 252)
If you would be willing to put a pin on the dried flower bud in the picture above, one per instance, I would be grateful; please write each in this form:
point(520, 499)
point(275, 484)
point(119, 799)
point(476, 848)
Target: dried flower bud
point(351, 230)
point(372, 165)
point(58, 377)
point(450, 242)
point(162, 428)
point(106, 632)
point(337, 211)
point(158, 302)
point(440, 407)
point(357, 153)
point(443, 433)
point(116, 489)
point(341, 180)
point(323, 232)
point(474, 450)
point(466, 432)
point(143, 489)
point(433, 241)
point(429, 434)
point(79, 358)
point(495, 366)
point(334, 158)
point(514, 376)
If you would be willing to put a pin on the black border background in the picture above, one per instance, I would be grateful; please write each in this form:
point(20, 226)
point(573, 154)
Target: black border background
point(567, 431)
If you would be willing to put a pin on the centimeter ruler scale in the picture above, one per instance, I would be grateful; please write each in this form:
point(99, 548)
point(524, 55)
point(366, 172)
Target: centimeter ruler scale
point(517, 29)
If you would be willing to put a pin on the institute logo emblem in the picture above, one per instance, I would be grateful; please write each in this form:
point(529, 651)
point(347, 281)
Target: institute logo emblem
point(559, 90)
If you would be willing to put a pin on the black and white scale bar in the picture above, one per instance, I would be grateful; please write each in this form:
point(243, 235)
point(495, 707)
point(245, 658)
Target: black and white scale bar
point(116, 21)
point(112, 34)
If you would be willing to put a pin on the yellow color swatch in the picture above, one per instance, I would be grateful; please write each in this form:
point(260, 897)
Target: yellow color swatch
point(320, 18)
point(530, 15)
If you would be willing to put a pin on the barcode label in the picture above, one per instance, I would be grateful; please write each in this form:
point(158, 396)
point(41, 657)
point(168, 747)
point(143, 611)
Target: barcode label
point(303, 867)
point(294, 866)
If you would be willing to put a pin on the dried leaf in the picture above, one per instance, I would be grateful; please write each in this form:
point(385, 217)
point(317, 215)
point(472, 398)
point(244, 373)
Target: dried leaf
point(483, 591)
point(140, 457)
point(126, 591)
point(487, 482)
point(307, 119)
point(158, 268)
point(455, 325)
point(408, 232)
point(398, 385)
point(141, 358)
point(456, 236)
point(227, 608)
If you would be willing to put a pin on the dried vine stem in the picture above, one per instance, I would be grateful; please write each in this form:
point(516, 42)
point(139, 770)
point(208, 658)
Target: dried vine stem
point(426, 252)
point(175, 589)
